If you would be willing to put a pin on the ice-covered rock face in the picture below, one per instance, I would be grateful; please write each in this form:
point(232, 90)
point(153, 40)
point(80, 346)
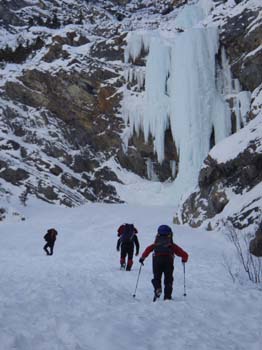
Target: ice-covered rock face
point(179, 80)
point(229, 183)
point(91, 87)
point(180, 92)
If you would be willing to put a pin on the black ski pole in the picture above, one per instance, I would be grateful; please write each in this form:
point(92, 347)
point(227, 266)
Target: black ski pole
point(134, 295)
point(184, 268)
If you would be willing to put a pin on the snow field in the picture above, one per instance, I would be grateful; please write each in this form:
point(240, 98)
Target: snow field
point(78, 299)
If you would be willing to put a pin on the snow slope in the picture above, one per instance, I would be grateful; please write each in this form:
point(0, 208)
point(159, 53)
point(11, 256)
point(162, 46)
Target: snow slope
point(78, 299)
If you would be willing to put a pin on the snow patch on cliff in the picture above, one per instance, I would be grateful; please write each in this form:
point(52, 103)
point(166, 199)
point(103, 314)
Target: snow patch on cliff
point(232, 146)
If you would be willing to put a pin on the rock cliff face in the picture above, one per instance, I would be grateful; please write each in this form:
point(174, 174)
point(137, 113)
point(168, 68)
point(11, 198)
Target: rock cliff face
point(229, 182)
point(63, 80)
point(241, 36)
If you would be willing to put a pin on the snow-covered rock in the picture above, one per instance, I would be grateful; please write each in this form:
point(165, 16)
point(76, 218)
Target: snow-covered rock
point(230, 182)
point(255, 246)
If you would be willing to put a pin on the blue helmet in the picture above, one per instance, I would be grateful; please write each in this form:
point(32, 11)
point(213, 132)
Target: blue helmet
point(164, 230)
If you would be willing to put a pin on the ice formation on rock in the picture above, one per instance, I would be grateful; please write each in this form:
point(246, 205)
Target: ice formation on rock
point(182, 91)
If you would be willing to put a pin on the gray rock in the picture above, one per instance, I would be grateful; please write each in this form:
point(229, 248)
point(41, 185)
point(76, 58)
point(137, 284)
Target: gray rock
point(70, 181)
point(7, 12)
point(255, 246)
point(56, 170)
point(238, 42)
point(46, 192)
point(239, 174)
point(107, 174)
point(83, 164)
point(2, 214)
point(14, 176)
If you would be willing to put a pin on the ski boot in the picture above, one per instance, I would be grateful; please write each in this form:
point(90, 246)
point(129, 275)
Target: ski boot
point(157, 294)
point(129, 264)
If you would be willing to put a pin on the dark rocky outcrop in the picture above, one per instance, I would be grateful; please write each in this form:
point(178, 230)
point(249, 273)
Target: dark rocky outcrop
point(242, 43)
point(14, 176)
point(7, 12)
point(2, 214)
point(255, 246)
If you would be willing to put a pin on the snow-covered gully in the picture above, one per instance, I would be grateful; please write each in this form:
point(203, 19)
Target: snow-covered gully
point(78, 299)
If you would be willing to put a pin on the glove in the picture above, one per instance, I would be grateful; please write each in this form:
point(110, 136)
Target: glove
point(137, 254)
point(184, 261)
point(141, 260)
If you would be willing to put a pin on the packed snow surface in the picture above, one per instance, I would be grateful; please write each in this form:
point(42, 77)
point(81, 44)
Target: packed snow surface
point(78, 299)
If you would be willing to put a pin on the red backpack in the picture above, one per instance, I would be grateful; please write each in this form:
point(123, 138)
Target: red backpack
point(128, 233)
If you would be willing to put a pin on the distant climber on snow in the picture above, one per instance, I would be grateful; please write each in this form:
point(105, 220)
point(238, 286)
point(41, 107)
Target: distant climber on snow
point(179, 30)
point(163, 260)
point(127, 234)
point(50, 238)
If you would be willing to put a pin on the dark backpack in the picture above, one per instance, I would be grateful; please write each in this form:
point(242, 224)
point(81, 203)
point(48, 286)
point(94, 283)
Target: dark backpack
point(128, 233)
point(49, 237)
point(46, 237)
point(163, 245)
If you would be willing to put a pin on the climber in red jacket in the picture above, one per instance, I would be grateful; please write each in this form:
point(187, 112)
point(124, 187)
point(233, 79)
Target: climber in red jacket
point(163, 260)
point(127, 234)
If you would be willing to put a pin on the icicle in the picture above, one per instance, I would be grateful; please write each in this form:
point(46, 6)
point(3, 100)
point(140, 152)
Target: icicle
point(135, 44)
point(173, 167)
point(231, 88)
point(140, 77)
point(237, 86)
point(242, 108)
point(156, 103)
point(225, 81)
point(152, 115)
point(150, 170)
point(196, 105)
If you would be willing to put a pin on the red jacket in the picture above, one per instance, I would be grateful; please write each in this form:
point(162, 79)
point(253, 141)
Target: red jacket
point(176, 250)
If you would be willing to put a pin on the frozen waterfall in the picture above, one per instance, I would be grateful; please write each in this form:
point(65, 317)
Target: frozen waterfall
point(177, 89)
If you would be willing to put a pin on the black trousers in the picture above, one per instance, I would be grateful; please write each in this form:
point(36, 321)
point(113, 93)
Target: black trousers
point(49, 245)
point(163, 264)
point(127, 249)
